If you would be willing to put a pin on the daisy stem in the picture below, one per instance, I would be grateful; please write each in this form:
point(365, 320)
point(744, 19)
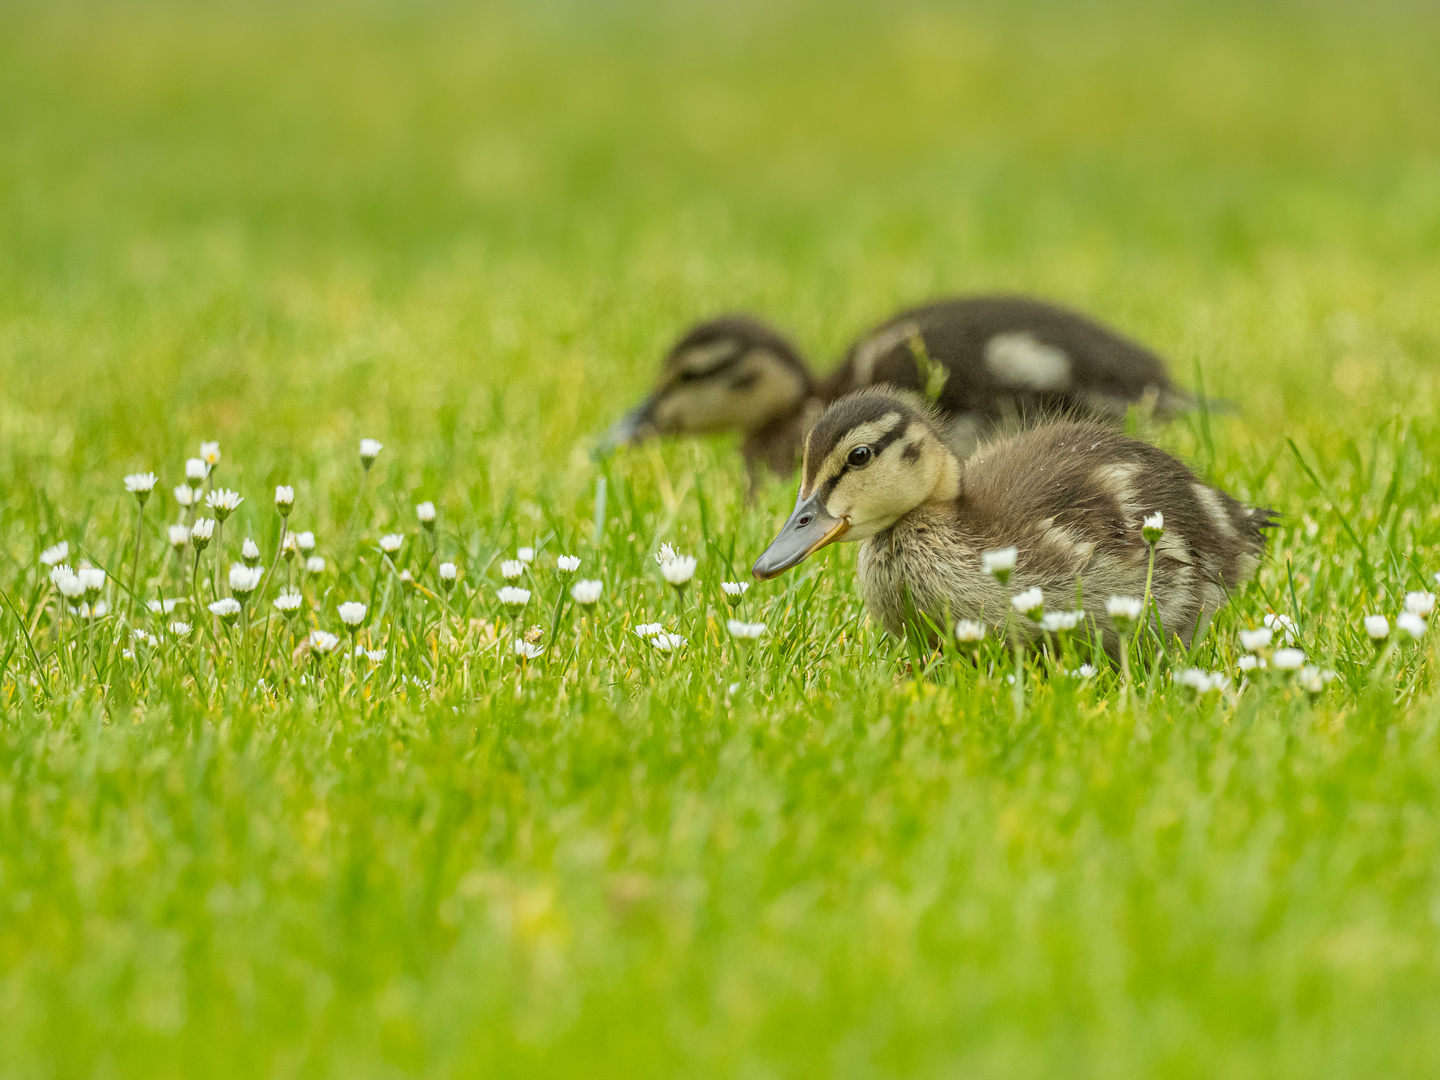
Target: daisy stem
point(1125, 669)
point(1145, 603)
point(265, 637)
point(219, 534)
point(1018, 692)
point(195, 588)
point(135, 569)
point(555, 621)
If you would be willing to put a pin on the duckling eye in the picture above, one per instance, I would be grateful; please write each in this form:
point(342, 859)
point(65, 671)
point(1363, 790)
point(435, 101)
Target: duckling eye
point(859, 457)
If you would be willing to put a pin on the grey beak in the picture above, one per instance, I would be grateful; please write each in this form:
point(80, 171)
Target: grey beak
point(633, 427)
point(808, 529)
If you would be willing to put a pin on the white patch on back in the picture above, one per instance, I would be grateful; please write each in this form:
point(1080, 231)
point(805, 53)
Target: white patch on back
point(1019, 361)
point(1214, 508)
point(1116, 481)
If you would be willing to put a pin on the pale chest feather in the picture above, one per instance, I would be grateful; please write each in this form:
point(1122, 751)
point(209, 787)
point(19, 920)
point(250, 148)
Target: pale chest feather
point(931, 568)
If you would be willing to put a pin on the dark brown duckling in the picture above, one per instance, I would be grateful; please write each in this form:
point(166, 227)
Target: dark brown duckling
point(1001, 358)
point(1070, 496)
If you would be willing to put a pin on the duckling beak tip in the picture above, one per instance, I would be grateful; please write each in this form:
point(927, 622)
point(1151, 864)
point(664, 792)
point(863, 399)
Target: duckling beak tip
point(630, 428)
point(808, 529)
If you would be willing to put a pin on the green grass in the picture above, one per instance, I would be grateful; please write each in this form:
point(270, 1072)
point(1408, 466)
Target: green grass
point(470, 233)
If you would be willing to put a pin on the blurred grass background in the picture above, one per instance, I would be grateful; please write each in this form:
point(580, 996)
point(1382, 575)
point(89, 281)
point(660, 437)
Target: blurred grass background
point(470, 231)
point(276, 222)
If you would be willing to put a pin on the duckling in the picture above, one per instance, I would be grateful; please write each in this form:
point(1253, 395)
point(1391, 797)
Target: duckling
point(1070, 496)
point(1000, 357)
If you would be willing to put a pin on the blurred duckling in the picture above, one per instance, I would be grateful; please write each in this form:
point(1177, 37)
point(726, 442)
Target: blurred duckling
point(984, 360)
point(1070, 496)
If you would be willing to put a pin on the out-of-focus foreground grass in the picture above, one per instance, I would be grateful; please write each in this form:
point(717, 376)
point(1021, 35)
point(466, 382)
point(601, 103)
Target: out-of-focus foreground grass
point(470, 232)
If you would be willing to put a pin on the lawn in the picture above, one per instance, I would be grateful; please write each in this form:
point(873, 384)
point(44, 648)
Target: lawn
point(469, 232)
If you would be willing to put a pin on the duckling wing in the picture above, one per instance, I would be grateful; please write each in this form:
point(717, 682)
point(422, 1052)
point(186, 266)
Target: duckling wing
point(1076, 494)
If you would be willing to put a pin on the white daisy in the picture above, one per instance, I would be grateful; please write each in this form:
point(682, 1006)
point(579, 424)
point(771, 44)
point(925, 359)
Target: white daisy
point(179, 628)
point(734, 591)
point(352, 614)
point(1283, 625)
point(196, 471)
point(1123, 611)
point(227, 608)
point(425, 512)
point(667, 553)
point(66, 582)
point(1202, 682)
point(567, 564)
point(223, 502)
point(1377, 626)
point(390, 543)
point(1288, 659)
point(667, 642)
point(747, 631)
point(526, 650)
point(288, 602)
point(375, 656)
point(315, 564)
point(513, 597)
point(999, 562)
point(1031, 602)
point(1411, 623)
point(184, 494)
point(92, 579)
point(649, 629)
point(305, 541)
point(448, 571)
point(322, 642)
point(369, 451)
point(244, 579)
point(679, 570)
point(1056, 622)
point(1153, 528)
point(56, 554)
point(586, 592)
point(1313, 679)
point(1255, 640)
point(140, 485)
point(1250, 663)
point(250, 552)
point(511, 569)
point(284, 499)
point(163, 607)
point(525, 554)
point(210, 453)
point(969, 630)
point(201, 532)
point(1420, 603)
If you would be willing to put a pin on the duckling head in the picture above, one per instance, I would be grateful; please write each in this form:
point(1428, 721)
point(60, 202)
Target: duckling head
point(871, 458)
point(733, 373)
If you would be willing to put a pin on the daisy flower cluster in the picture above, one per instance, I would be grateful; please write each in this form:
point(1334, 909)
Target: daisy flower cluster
point(230, 581)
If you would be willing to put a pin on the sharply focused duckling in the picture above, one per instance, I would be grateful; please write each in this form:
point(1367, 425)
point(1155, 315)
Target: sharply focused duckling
point(1001, 357)
point(1071, 496)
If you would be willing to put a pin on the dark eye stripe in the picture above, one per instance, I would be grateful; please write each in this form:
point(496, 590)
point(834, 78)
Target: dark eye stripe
point(717, 368)
point(876, 449)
